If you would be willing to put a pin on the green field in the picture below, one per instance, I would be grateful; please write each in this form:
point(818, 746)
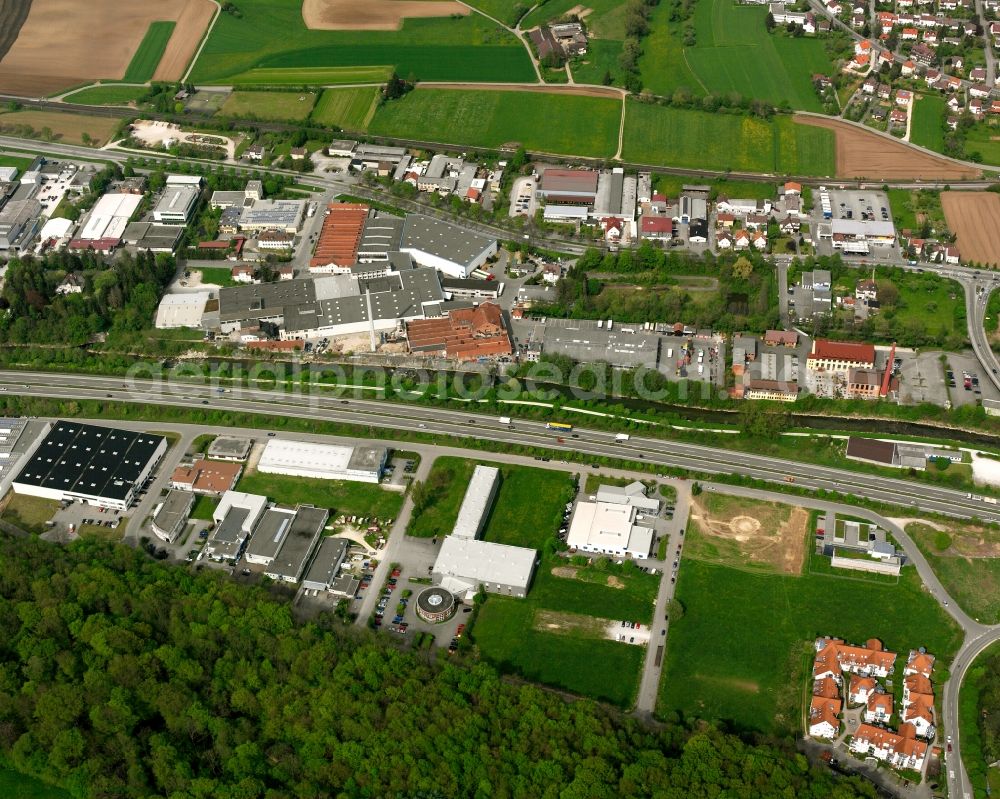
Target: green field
point(18, 786)
point(740, 650)
point(107, 95)
point(974, 583)
point(927, 127)
point(584, 664)
point(271, 35)
point(983, 138)
point(733, 53)
point(311, 76)
point(203, 508)
point(503, 10)
point(147, 57)
point(528, 507)
point(15, 161)
point(341, 496)
point(216, 275)
point(550, 123)
point(445, 487)
point(349, 109)
point(661, 135)
point(280, 106)
point(29, 513)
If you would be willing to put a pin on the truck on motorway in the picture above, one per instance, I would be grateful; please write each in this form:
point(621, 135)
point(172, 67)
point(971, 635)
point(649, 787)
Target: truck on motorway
point(990, 500)
point(624, 437)
point(504, 420)
point(561, 426)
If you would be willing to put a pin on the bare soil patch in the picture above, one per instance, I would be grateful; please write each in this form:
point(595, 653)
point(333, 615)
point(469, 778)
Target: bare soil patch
point(374, 15)
point(67, 128)
point(861, 154)
point(975, 219)
point(13, 13)
point(739, 531)
point(548, 88)
point(65, 42)
point(567, 572)
point(191, 25)
point(551, 621)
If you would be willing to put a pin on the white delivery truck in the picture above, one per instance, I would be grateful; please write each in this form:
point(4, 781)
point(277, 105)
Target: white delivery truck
point(504, 420)
point(621, 437)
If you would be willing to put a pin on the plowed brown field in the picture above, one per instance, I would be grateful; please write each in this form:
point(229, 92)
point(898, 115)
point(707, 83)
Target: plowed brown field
point(861, 154)
point(373, 15)
point(974, 217)
point(67, 42)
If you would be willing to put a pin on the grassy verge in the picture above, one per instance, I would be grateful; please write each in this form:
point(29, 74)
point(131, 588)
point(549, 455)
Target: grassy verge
point(973, 757)
point(29, 513)
point(107, 95)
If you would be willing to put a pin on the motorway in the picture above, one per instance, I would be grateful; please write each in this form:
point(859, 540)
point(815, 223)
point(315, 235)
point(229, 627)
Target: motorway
point(326, 406)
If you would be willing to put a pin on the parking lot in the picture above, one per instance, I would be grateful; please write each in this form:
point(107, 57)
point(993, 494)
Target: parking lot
point(921, 378)
point(522, 197)
point(861, 206)
point(980, 387)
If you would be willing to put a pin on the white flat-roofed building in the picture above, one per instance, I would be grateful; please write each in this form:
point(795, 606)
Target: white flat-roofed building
point(110, 216)
point(464, 564)
point(609, 526)
point(873, 232)
point(176, 204)
point(478, 500)
point(563, 213)
point(323, 461)
point(184, 180)
point(322, 573)
point(235, 517)
point(181, 310)
point(286, 215)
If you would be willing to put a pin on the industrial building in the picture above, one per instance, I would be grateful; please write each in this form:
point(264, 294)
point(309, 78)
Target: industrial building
point(235, 517)
point(176, 204)
point(153, 237)
point(323, 461)
point(172, 514)
point(618, 523)
point(206, 477)
point(471, 288)
point(479, 496)
point(322, 573)
point(296, 544)
point(339, 237)
point(181, 310)
point(455, 251)
point(229, 448)
point(380, 239)
point(101, 466)
point(569, 186)
point(465, 334)
point(107, 222)
point(286, 215)
point(19, 222)
point(465, 564)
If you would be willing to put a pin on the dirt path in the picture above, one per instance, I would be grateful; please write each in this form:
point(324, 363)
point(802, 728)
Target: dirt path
point(863, 153)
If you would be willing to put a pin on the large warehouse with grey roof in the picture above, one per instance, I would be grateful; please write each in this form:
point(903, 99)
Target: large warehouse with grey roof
point(453, 250)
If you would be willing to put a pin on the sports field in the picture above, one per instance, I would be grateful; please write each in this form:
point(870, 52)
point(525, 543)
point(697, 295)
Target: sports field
point(927, 127)
point(107, 95)
point(151, 49)
point(734, 53)
point(271, 35)
point(661, 135)
point(283, 106)
point(563, 124)
point(751, 669)
point(349, 109)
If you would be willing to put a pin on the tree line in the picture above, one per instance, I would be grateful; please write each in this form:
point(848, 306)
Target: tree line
point(122, 677)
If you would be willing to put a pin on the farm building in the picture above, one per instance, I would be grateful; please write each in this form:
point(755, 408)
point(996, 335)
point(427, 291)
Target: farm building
point(323, 461)
point(101, 466)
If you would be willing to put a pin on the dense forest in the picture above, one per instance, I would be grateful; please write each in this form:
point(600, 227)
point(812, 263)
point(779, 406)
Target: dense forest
point(118, 296)
point(652, 285)
point(120, 677)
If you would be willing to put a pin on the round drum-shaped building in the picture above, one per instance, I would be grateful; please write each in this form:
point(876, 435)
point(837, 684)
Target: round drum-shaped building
point(435, 604)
